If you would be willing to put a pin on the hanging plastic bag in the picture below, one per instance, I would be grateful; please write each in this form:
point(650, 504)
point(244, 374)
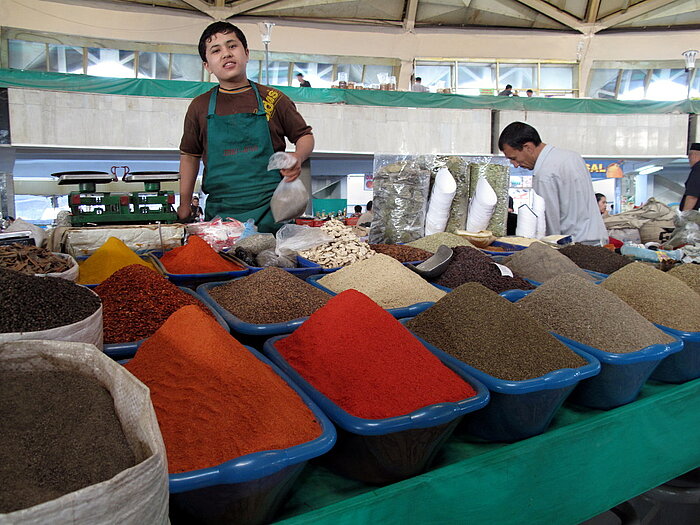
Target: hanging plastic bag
point(281, 160)
point(441, 197)
point(289, 200)
point(292, 238)
point(269, 258)
point(481, 206)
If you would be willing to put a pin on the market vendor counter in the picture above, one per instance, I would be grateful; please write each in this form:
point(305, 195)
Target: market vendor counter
point(586, 463)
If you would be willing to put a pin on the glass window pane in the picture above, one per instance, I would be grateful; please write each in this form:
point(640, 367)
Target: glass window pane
point(27, 55)
point(520, 76)
point(279, 73)
point(372, 73)
point(556, 77)
point(601, 83)
point(32, 207)
point(473, 79)
point(110, 63)
point(435, 75)
point(668, 84)
point(153, 65)
point(186, 67)
point(354, 72)
point(66, 59)
point(319, 75)
point(253, 70)
point(632, 84)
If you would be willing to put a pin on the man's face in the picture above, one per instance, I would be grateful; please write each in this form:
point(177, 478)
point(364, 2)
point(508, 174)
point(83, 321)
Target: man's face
point(693, 157)
point(226, 59)
point(522, 158)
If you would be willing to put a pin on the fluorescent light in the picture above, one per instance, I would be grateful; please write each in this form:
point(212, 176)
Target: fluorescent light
point(29, 178)
point(648, 170)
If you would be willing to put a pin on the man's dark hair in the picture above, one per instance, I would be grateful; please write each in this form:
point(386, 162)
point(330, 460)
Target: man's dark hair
point(300, 75)
point(508, 86)
point(215, 28)
point(599, 196)
point(419, 79)
point(516, 134)
point(529, 91)
point(369, 206)
point(358, 208)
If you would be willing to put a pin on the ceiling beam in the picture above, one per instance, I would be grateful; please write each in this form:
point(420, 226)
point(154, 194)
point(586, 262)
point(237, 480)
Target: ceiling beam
point(221, 12)
point(409, 21)
point(592, 11)
point(555, 13)
point(247, 5)
point(636, 10)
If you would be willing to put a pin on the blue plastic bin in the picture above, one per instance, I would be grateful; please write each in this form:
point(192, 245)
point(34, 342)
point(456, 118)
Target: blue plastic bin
point(508, 249)
point(622, 375)
point(684, 365)
point(192, 280)
point(398, 313)
point(519, 409)
point(119, 351)
point(379, 451)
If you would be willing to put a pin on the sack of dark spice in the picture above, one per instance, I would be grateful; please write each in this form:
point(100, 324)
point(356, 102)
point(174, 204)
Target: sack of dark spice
point(124, 480)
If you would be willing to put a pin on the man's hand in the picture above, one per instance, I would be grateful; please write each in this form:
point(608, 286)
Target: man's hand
point(292, 173)
point(183, 211)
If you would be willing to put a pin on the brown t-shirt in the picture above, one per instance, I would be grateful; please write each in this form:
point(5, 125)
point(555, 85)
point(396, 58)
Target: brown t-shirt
point(282, 117)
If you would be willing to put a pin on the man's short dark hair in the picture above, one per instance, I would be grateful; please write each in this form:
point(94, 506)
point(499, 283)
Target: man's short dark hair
point(419, 79)
point(516, 134)
point(369, 206)
point(358, 208)
point(529, 91)
point(215, 28)
point(508, 86)
point(300, 75)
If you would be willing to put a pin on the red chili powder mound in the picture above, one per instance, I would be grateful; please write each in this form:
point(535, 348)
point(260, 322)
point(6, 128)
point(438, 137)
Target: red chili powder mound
point(366, 362)
point(214, 400)
point(136, 301)
point(196, 257)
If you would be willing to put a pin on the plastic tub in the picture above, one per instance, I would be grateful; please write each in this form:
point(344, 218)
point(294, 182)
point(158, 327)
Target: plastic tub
point(684, 365)
point(192, 280)
point(508, 249)
point(119, 351)
point(406, 311)
point(520, 409)
point(379, 451)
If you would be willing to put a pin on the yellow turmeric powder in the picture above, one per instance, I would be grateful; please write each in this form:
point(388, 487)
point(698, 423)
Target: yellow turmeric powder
point(113, 255)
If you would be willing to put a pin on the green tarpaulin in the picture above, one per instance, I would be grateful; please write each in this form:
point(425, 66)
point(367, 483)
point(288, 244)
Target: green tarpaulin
point(18, 78)
point(586, 463)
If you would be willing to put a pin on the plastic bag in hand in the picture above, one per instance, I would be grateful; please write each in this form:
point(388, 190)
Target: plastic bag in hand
point(289, 200)
point(292, 238)
point(281, 161)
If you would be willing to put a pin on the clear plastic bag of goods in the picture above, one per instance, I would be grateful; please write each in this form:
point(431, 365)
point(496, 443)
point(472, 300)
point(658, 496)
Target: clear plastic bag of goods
point(687, 230)
point(498, 177)
point(220, 234)
point(257, 242)
point(441, 196)
point(481, 206)
point(138, 494)
point(289, 200)
point(293, 238)
point(459, 168)
point(269, 258)
point(400, 198)
point(281, 160)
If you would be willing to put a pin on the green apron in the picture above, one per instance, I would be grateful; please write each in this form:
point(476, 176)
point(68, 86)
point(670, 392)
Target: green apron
point(236, 178)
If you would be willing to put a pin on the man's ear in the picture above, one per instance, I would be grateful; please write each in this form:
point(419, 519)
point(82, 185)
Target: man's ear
point(206, 66)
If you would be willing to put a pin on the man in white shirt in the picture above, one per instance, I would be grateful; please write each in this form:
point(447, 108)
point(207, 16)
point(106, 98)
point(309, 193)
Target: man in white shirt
point(561, 178)
point(418, 86)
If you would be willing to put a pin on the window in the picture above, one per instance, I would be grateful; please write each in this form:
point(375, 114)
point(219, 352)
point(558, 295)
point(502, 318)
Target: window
point(472, 79)
point(319, 75)
point(186, 67)
point(254, 70)
point(279, 74)
point(154, 65)
point(435, 75)
point(354, 72)
point(66, 59)
point(630, 83)
point(520, 76)
point(27, 55)
point(602, 83)
point(373, 73)
point(113, 63)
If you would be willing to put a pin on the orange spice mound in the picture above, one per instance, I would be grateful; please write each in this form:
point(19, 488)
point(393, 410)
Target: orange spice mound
point(196, 257)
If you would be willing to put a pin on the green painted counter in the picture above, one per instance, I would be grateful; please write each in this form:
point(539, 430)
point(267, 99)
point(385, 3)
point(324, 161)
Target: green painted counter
point(586, 463)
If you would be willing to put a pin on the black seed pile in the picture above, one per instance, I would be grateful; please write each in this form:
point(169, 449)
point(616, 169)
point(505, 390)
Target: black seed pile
point(488, 332)
point(471, 265)
point(595, 258)
point(29, 303)
point(269, 296)
point(59, 433)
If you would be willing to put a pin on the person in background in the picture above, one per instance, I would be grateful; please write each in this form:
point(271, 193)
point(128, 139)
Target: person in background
point(366, 218)
point(561, 178)
point(417, 86)
point(691, 197)
point(196, 211)
point(512, 220)
point(529, 93)
point(602, 205)
point(302, 82)
point(358, 210)
point(507, 92)
point(234, 129)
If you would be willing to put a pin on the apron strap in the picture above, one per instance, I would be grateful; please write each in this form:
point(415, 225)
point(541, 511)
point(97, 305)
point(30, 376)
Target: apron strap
point(212, 101)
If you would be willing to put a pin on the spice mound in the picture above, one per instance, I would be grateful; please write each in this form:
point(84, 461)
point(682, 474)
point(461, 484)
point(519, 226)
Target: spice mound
point(136, 302)
point(689, 274)
point(656, 295)
point(107, 259)
point(214, 400)
point(31, 260)
point(29, 303)
point(59, 433)
point(595, 258)
point(344, 249)
point(269, 296)
point(488, 332)
point(432, 242)
point(402, 252)
point(384, 280)
point(592, 315)
point(471, 265)
point(196, 257)
point(367, 362)
point(540, 262)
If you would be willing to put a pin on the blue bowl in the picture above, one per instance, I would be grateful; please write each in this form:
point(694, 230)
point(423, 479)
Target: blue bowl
point(508, 249)
point(520, 409)
point(386, 450)
point(684, 365)
point(398, 313)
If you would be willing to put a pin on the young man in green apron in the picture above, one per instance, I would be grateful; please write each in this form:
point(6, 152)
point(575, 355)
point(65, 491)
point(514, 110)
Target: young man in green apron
point(233, 129)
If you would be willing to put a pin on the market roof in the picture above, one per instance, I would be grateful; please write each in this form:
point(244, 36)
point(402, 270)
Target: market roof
point(584, 16)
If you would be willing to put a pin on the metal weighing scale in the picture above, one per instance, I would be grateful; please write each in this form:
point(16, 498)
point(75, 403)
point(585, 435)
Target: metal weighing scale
point(90, 207)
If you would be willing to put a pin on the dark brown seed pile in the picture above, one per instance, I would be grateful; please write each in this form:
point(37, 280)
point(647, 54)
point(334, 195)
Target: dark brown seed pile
point(29, 303)
point(540, 262)
point(595, 258)
point(656, 295)
point(59, 433)
point(592, 315)
point(269, 296)
point(490, 333)
point(471, 265)
point(402, 252)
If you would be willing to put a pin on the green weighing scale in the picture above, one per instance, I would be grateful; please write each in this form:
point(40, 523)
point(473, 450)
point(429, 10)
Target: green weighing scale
point(91, 207)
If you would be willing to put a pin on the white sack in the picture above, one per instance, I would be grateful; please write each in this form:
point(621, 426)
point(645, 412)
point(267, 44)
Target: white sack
point(538, 207)
point(71, 274)
point(444, 189)
point(527, 222)
point(481, 206)
point(37, 232)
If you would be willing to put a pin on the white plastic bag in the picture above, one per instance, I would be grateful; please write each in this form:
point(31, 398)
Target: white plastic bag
point(136, 495)
point(481, 206)
point(37, 232)
point(538, 207)
point(289, 200)
point(219, 234)
point(292, 238)
point(527, 222)
point(444, 189)
point(281, 161)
